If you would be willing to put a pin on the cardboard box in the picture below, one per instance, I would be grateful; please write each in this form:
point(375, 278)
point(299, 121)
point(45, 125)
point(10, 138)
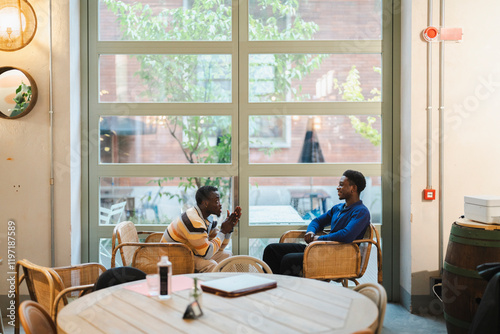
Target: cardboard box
point(482, 208)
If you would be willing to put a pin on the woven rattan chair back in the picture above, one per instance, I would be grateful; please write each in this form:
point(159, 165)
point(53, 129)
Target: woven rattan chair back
point(331, 260)
point(147, 256)
point(154, 237)
point(35, 319)
point(65, 278)
point(378, 295)
point(53, 288)
point(242, 264)
point(39, 282)
point(122, 233)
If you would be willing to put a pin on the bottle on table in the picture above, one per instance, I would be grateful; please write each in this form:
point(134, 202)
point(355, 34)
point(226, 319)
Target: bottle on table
point(165, 272)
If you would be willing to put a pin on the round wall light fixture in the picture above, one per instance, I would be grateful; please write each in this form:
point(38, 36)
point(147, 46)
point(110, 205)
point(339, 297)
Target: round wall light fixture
point(17, 24)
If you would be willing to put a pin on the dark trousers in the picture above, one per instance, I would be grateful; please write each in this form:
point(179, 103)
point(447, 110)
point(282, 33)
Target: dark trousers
point(285, 259)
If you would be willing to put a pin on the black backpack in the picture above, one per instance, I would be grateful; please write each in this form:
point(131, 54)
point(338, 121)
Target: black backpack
point(118, 275)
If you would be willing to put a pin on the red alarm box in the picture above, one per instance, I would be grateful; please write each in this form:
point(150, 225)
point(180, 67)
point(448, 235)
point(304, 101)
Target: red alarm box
point(429, 194)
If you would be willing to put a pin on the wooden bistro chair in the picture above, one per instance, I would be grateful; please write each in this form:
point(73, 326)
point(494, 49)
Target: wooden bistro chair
point(35, 320)
point(377, 294)
point(146, 255)
point(336, 261)
point(53, 288)
point(154, 237)
point(243, 264)
point(125, 232)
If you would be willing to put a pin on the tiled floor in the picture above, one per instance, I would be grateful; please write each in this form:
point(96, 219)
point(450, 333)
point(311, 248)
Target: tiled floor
point(399, 321)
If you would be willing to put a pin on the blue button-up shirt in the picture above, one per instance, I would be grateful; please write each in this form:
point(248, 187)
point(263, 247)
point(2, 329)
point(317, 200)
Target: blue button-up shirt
point(347, 223)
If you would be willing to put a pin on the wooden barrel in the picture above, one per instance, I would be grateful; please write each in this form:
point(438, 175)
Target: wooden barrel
point(470, 245)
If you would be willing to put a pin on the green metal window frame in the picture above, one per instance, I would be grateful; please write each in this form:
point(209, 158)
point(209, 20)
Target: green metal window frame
point(239, 109)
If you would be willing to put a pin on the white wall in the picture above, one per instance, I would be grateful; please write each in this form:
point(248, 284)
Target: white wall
point(25, 149)
point(472, 118)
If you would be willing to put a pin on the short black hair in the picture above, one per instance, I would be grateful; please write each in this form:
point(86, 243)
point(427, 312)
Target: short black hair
point(203, 193)
point(356, 178)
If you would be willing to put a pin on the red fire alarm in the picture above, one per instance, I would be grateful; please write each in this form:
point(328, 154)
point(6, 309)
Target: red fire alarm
point(430, 33)
point(429, 194)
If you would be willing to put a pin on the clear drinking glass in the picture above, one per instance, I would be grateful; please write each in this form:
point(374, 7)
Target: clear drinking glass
point(153, 281)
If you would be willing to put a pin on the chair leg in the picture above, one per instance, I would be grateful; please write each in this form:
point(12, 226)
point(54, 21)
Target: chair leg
point(1, 322)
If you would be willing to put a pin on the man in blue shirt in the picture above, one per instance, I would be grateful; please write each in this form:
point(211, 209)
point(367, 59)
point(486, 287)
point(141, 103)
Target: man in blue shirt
point(348, 222)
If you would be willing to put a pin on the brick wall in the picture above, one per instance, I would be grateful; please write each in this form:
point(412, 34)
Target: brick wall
point(337, 19)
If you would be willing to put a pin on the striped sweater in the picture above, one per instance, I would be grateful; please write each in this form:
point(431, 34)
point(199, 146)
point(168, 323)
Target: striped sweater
point(199, 234)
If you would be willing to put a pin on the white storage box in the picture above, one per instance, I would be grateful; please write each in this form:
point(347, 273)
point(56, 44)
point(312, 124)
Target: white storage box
point(483, 208)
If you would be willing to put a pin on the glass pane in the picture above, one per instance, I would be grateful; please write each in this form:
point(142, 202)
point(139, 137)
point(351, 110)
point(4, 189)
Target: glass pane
point(315, 139)
point(105, 254)
point(165, 20)
point(165, 78)
point(256, 246)
point(165, 139)
point(298, 200)
point(315, 20)
point(157, 200)
point(315, 77)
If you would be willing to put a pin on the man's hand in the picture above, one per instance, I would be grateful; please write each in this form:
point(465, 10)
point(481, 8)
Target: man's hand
point(310, 237)
point(231, 221)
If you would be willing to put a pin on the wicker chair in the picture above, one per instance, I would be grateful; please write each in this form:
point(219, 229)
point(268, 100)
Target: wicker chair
point(34, 319)
point(154, 237)
point(243, 264)
point(377, 294)
point(125, 232)
point(331, 260)
point(53, 288)
point(147, 256)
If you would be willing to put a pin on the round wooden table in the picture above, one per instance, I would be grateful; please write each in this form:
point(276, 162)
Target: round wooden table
point(297, 305)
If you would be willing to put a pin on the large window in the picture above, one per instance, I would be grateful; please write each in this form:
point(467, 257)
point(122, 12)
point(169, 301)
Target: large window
point(268, 100)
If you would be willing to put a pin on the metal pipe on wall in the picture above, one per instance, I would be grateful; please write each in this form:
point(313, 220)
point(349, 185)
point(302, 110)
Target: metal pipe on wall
point(429, 102)
point(441, 138)
point(51, 144)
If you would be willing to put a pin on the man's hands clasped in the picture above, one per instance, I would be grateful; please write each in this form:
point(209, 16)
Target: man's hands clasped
point(231, 221)
point(310, 237)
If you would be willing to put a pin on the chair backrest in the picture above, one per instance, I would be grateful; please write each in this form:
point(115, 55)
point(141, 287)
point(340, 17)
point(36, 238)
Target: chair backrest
point(125, 232)
point(243, 264)
point(39, 281)
point(154, 237)
point(147, 256)
point(34, 319)
point(73, 276)
point(330, 260)
point(324, 262)
point(105, 214)
point(118, 275)
point(51, 287)
point(378, 295)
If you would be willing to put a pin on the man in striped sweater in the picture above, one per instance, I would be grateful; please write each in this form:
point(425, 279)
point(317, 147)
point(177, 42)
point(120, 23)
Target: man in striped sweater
point(194, 229)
